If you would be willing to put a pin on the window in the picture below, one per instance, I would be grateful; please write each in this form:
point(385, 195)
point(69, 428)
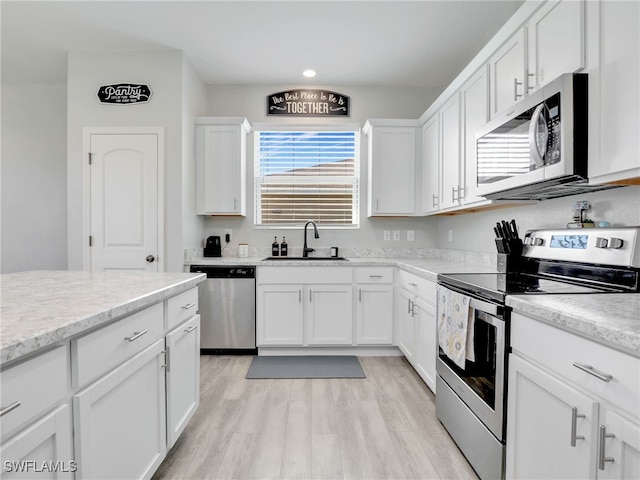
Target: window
point(307, 175)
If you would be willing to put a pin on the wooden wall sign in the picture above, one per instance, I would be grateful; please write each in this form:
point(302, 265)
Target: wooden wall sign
point(308, 103)
point(124, 93)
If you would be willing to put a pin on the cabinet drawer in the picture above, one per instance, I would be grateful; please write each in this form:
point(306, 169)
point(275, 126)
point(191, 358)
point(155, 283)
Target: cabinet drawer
point(316, 275)
point(100, 351)
point(23, 386)
point(558, 350)
point(181, 307)
point(426, 289)
point(374, 275)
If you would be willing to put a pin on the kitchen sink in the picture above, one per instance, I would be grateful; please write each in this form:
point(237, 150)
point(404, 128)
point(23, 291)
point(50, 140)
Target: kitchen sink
point(306, 258)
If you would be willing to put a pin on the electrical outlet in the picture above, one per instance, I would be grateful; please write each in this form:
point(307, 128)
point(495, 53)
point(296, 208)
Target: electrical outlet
point(227, 235)
point(387, 235)
point(411, 235)
point(396, 235)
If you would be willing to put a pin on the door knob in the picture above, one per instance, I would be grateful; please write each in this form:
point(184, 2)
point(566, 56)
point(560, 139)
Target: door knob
point(150, 258)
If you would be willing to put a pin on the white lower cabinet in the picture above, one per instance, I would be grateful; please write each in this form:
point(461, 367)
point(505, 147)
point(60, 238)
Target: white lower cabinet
point(426, 342)
point(279, 315)
point(374, 315)
point(552, 426)
point(574, 406)
point(329, 314)
point(119, 420)
point(406, 324)
point(43, 451)
point(182, 376)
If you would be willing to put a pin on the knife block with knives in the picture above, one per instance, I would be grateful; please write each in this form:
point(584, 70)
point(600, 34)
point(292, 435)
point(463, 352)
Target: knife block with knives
point(509, 246)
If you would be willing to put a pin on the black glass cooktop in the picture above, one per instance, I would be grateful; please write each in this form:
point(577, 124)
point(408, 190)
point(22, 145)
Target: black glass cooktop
point(497, 285)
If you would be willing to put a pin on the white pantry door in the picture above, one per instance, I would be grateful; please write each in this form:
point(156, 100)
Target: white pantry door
point(124, 202)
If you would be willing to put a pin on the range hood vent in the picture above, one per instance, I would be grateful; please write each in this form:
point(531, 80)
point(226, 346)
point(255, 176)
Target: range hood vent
point(545, 190)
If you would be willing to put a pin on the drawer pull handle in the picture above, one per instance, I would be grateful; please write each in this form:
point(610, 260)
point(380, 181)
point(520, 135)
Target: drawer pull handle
point(11, 407)
point(574, 427)
point(605, 377)
point(136, 335)
point(602, 458)
point(191, 328)
point(188, 306)
point(375, 276)
point(413, 284)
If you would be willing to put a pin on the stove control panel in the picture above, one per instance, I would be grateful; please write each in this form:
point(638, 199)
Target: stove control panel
point(604, 246)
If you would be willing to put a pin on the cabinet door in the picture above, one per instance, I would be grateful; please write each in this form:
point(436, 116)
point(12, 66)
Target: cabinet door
point(556, 41)
point(48, 443)
point(426, 343)
point(547, 437)
point(279, 315)
point(450, 152)
point(431, 165)
point(374, 315)
point(474, 99)
point(620, 452)
point(183, 377)
point(614, 93)
point(119, 421)
point(393, 170)
point(329, 314)
point(405, 312)
point(220, 169)
point(507, 73)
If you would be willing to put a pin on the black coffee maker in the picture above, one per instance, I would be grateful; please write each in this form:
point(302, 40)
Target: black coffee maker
point(212, 247)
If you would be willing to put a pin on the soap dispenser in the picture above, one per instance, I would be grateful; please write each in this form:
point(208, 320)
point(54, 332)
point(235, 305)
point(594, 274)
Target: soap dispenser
point(275, 248)
point(284, 249)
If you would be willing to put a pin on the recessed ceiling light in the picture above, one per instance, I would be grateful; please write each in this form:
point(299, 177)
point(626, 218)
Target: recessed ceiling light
point(309, 73)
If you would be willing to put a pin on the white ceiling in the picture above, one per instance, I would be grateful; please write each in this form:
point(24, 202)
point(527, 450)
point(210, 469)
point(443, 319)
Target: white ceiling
point(367, 43)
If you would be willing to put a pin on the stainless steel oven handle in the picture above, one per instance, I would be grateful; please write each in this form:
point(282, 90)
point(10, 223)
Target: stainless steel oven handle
point(486, 307)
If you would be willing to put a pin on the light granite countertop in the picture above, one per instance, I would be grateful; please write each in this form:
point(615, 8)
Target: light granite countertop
point(608, 318)
point(41, 308)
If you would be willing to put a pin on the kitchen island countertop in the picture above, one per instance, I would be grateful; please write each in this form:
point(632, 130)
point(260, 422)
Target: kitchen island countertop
point(41, 308)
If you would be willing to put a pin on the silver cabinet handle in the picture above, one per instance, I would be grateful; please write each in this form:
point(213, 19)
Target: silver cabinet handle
point(167, 360)
point(602, 458)
point(453, 193)
point(434, 200)
point(360, 295)
point(409, 306)
point(516, 96)
point(191, 328)
point(310, 291)
point(605, 377)
point(529, 86)
point(235, 203)
point(135, 336)
point(460, 192)
point(375, 276)
point(188, 306)
point(299, 295)
point(413, 284)
point(574, 427)
point(8, 409)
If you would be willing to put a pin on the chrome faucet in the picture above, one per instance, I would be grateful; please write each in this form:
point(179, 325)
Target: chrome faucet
point(306, 251)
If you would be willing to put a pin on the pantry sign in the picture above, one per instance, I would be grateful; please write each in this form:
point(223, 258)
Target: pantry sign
point(308, 103)
point(124, 93)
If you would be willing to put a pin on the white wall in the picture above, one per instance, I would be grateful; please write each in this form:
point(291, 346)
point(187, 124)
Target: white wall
point(162, 71)
point(34, 156)
point(366, 102)
point(474, 231)
point(194, 105)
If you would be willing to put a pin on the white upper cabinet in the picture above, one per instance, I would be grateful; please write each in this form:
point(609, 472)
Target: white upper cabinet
point(431, 165)
point(555, 41)
point(507, 72)
point(614, 91)
point(393, 148)
point(221, 165)
point(450, 152)
point(551, 43)
point(474, 111)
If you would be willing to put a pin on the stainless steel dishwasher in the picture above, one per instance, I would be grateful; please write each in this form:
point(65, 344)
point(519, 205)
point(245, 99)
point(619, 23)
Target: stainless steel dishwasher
point(227, 305)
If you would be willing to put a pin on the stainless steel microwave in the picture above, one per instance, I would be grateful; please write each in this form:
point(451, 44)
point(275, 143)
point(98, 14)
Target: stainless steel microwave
point(538, 148)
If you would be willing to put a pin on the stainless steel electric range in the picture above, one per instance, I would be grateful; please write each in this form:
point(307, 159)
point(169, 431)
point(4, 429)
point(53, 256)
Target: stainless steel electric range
point(471, 393)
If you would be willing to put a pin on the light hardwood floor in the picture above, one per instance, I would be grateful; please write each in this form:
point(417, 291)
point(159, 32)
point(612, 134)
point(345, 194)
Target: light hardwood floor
point(381, 427)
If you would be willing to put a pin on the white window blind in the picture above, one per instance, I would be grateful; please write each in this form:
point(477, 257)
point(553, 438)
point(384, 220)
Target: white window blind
point(307, 175)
